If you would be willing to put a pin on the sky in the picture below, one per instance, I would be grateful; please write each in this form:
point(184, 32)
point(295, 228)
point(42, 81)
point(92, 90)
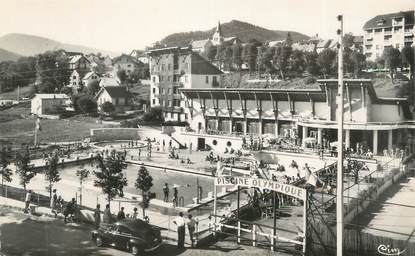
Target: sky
point(123, 25)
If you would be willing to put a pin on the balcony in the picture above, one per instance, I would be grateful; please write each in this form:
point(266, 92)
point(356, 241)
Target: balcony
point(408, 39)
point(174, 109)
point(388, 33)
point(177, 96)
point(178, 84)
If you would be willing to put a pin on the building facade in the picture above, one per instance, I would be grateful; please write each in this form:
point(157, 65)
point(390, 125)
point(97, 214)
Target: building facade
point(228, 115)
point(388, 30)
point(127, 63)
point(117, 95)
point(173, 68)
point(48, 104)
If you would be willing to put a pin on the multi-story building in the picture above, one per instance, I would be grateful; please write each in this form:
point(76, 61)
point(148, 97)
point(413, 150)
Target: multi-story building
point(388, 30)
point(173, 68)
point(80, 66)
point(222, 117)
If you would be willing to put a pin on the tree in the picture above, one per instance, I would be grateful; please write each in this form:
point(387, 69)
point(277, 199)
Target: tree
point(154, 114)
point(348, 40)
point(122, 75)
point(288, 40)
point(110, 177)
point(326, 60)
point(144, 182)
point(107, 107)
point(237, 56)
point(85, 104)
point(82, 174)
point(281, 59)
point(392, 58)
point(249, 55)
point(298, 61)
point(211, 52)
point(52, 173)
point(6, 173)
point(23, 169)
point(311, 63)
point(359, 61)
point(93, 87)
point(408, 58)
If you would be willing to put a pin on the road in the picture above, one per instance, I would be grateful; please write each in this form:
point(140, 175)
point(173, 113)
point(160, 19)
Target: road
point(26, 235)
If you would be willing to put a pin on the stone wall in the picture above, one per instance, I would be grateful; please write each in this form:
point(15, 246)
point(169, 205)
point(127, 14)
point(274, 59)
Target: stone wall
point(109, 134)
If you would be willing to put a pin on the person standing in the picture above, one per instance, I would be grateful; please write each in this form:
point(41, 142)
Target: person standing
point(121, 214)
point(164, 144)
point(53, 203)
point(175, 197)
point(97, 216)
point(166, 191)
point(139, 154)
point(27, 200)
point(135, 213)
point(107, 215)
point(181, 231)
point(191, 226)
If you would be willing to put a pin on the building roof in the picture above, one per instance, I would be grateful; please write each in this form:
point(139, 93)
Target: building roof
point(200, 66)
point(115, 92)
point(254, 93)
point(317, 95)
point(199, 43)
point(108, 81)
point(127, 58)
point(87, 75)
point(51, 96)
point(387, 20)
point(76, 58)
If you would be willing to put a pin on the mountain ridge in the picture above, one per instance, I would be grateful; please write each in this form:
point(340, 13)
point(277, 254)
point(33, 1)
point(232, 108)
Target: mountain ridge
point(241, 29)
point(29, 45)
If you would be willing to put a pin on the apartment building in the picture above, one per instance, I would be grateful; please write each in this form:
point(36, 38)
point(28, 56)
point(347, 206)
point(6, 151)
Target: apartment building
point(388, 30)
point(173, 68)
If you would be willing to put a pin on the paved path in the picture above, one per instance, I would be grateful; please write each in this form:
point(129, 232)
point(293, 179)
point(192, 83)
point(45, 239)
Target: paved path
point(391, 217)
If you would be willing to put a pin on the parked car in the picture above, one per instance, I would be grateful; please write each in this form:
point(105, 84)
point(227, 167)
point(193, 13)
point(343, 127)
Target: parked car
point(133, 235)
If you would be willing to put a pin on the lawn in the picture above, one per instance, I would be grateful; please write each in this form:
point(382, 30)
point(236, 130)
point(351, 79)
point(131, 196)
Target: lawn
point(17, 126)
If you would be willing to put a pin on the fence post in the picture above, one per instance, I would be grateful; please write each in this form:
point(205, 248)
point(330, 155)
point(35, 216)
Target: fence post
point(253, 235)
point(197, 232)
point(239, 232)
point(272, 240)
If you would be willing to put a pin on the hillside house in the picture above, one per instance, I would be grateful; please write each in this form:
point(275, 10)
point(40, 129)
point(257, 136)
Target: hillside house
point(48, 104)
point(117, 95)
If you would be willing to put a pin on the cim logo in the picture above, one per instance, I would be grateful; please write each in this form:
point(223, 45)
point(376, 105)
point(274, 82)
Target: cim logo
point(386, 250)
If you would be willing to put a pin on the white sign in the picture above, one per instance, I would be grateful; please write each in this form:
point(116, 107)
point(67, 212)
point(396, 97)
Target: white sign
point(290, 190)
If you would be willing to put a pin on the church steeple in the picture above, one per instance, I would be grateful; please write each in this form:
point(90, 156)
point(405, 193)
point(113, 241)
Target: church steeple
point(217, 37)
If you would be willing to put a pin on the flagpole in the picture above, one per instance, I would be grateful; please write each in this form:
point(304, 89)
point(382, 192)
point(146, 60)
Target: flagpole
point(340, 109)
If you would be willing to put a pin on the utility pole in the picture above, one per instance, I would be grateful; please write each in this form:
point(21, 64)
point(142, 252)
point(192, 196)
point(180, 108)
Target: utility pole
point(340, 110)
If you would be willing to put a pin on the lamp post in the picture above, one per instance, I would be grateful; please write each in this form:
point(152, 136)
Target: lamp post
point(340, 110)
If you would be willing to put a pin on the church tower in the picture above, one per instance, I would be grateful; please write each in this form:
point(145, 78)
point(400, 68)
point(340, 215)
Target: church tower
point(217, 37)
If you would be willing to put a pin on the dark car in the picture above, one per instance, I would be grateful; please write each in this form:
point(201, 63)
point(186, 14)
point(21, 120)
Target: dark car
point(133, 235)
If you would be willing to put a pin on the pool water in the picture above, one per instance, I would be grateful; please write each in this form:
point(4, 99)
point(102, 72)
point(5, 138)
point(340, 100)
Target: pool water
point(186, 183)
point(119, 144)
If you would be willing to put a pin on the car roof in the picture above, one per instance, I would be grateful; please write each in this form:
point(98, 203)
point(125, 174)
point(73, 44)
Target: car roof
point(135, 225)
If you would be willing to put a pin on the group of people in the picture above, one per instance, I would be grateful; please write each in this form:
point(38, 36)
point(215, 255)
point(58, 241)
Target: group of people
point(107, 217)
point(166, 192)
point(181, 222)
